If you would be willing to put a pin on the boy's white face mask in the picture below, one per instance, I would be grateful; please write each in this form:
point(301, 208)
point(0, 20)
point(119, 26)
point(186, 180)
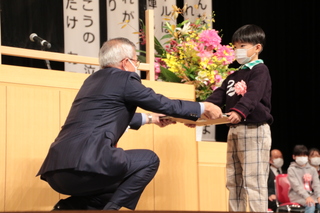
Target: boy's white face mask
point(242, 55)
point(302, 160)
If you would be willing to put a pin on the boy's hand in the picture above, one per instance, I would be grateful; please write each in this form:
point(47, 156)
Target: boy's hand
point(309, 201)
point(234, 117)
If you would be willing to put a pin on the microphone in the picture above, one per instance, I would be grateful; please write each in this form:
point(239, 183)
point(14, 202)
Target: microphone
point(35, 38)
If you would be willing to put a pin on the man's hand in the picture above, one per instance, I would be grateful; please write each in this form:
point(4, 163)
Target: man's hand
point(272, 197)
point(161, 122)
point(190, 125)
point(211, 111)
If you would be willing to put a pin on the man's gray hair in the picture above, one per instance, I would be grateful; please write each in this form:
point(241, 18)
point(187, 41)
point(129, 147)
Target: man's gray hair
point(114, 51)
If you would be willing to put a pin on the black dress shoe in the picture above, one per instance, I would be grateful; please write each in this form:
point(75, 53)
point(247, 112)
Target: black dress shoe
point(71, 203)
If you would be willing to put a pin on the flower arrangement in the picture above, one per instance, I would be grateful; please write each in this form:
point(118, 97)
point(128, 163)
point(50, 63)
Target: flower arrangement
point(192, 53)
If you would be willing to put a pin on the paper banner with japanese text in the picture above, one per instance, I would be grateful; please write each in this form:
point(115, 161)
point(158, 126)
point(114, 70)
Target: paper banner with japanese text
point(196, 8)
point(162, 9)
point(120, 13)
point(81, 32)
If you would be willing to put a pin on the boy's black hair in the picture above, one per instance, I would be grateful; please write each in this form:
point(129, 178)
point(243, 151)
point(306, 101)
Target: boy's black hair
point(249, 33)
point(314, 150)
point(300, 150)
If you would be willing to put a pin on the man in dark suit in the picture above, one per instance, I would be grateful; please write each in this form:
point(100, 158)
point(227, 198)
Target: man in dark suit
point(84, 161)
point(276, 163)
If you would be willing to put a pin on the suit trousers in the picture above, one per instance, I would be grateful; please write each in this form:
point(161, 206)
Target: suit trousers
point(93, 191)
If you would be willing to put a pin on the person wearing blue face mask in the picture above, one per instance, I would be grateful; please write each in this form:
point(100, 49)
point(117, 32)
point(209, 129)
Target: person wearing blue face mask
point(245, 96)
point(304, 180)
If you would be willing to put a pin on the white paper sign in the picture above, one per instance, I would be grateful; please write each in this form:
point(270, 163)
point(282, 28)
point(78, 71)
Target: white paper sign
point(202, 6)
point(162, 9)
point(81, 32)
point(119, 12)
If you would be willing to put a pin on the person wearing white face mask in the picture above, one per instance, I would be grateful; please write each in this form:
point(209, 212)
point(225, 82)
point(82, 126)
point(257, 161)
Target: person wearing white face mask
point(84, 160)
point(314, 159)
point(245, 95)
point(276, 163)
point(304, 180)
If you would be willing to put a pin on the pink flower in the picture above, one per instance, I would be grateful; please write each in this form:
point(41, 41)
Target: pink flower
point(157, 70)
point(157, 64)
point(225, 53)
point(307, 177)
point(218, 78)
point(142, 36)
point(240, 87)
point(210, 38)
point(205, 54)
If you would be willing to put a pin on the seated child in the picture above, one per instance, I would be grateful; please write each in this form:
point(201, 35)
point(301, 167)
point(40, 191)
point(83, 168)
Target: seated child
point(304, 180)
point(314, 158)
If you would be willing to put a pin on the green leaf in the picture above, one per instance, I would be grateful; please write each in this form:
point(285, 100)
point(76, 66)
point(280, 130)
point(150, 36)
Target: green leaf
point(198, 21)
point(143, 27)
point(158, 47)
point(141, 51)
point(142, 58)
point(166, 36)
point(182, 23)
point(190, 72)
point(169, 76)
point(168, 27)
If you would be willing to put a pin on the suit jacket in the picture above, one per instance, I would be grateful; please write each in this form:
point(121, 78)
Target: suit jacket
point(271, 186)
point(100, 113)
point(271, 183)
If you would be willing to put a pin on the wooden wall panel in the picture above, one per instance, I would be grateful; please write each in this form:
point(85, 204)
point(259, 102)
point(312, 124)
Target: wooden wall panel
point(213, 194)
point(32, 123)
point(212, 188)
point(3, 134)
point(176, 181)
point(37, 111)
point(172, 90)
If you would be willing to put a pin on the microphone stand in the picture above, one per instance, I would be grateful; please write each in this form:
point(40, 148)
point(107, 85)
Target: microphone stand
point(47, 62)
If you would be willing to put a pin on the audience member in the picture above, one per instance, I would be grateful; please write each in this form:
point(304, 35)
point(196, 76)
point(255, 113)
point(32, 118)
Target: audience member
point(304, 181)
point(314, 159)
point(276, 163)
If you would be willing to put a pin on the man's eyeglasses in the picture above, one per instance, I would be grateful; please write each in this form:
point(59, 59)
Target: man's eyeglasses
point(137, 61)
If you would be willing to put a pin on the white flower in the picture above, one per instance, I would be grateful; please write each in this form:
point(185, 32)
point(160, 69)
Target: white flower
point(185, 29)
